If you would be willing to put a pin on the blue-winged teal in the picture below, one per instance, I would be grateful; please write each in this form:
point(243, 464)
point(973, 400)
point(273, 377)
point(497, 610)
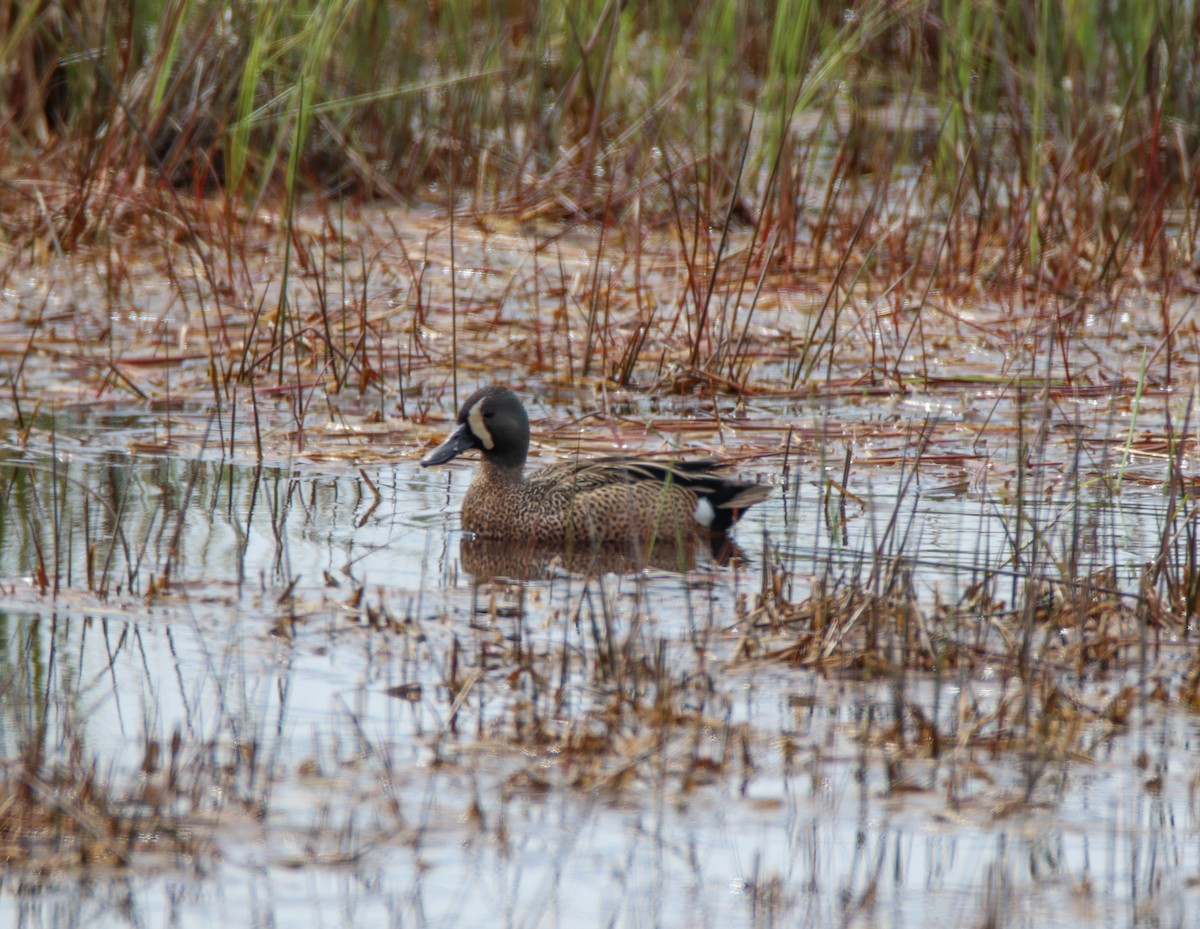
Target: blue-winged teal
point(603, 501)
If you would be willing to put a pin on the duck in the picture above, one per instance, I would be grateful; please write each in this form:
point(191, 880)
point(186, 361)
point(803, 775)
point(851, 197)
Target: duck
point(602, 501)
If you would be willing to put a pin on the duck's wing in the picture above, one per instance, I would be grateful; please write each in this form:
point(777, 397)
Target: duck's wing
point(592, 473)
point(697, 475)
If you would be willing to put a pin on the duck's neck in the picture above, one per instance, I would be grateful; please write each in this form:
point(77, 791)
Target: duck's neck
point(501, 472)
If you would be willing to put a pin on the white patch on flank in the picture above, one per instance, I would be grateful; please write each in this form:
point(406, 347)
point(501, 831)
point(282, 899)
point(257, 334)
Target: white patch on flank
point(475, 420)
point(704, 512)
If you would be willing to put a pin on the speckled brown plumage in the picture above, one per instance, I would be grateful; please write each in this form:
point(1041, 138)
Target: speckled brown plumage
point(606, 500)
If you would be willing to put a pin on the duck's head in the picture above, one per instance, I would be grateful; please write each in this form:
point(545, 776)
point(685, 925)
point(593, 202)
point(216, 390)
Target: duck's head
point(492, 420)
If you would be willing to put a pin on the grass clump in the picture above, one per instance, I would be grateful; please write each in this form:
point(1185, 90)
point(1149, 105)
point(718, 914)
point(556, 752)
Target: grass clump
point(569, 109)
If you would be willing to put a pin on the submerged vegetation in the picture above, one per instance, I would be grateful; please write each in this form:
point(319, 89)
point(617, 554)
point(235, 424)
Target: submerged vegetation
point(930, 267)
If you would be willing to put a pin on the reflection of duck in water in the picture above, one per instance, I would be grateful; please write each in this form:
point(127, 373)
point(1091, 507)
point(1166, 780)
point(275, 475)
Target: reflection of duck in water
point(629, 502)
point(486, 559)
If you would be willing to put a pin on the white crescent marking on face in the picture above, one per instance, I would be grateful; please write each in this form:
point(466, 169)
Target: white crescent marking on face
point(479, 427)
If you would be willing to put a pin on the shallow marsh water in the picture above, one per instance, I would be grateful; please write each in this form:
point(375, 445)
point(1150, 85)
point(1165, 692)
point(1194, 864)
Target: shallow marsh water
point(217, 540)
point(374, 740)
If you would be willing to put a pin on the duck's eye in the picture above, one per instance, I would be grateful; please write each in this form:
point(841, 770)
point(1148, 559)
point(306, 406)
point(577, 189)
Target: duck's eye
point(488, 414)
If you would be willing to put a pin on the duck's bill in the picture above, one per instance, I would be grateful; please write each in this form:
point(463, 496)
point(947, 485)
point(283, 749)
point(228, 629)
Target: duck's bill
point(460, 440)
